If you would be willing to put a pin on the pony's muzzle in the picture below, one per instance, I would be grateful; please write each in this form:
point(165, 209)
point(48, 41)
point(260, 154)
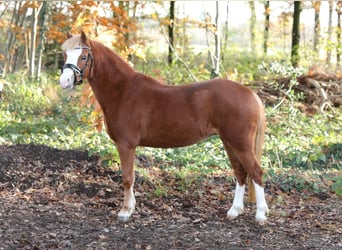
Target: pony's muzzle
point(67, 79)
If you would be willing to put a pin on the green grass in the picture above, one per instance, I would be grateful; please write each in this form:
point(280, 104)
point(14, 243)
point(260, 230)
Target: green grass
point(296, 140)
point(41, 113)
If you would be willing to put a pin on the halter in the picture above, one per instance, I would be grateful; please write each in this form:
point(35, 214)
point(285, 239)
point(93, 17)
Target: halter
point(78, 73)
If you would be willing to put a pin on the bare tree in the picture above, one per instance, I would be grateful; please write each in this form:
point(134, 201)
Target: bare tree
point(8, 50)
point(267, 25)
point(225, 32)
point(216, 71)
point(295, 33)
point(42, 29)
point(339, 31)
point(252, 25)
point(173, 49)
point(317, 29)
point(328, 58)
point(216, 28)
point(171, 31)
point(34, 22)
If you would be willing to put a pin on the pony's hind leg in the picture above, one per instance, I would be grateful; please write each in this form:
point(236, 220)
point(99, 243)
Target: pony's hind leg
point(237, 206)
point(262, 208)
point(245, 163)
point(253, 169)
point(127, 164)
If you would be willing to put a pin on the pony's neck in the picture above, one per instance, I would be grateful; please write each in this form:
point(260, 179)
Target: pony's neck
point(110, 75)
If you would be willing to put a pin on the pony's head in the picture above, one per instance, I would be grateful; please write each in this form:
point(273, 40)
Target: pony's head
point(78, 60)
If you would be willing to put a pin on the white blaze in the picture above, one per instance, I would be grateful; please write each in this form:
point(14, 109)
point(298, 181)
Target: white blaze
point(67, 77)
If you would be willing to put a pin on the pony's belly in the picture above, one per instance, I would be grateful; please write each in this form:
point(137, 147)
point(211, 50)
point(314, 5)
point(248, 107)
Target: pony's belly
point(169, 143)
point(169, 139)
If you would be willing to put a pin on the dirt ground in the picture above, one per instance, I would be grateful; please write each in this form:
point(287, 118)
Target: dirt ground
point(56, 199)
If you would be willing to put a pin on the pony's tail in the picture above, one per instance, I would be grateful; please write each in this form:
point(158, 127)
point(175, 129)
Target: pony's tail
point(259, 142)
point(251, 190)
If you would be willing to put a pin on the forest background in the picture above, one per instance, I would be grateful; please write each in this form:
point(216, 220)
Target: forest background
point(294, 64)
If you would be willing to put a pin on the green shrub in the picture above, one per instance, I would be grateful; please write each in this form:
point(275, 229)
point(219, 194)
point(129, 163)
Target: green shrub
point(337, 186)
point(28, 93)
point(295, 140)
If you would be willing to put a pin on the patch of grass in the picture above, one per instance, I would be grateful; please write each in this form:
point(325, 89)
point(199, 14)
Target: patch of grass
point(337, 186)
point(41, 112)
point(160, 191)
point(295, 140)
point(300, 181)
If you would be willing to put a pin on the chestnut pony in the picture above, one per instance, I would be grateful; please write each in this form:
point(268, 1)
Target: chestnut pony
point(141, 111)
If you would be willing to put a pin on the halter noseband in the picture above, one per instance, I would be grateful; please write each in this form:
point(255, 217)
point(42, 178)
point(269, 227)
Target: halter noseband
point(78, 73)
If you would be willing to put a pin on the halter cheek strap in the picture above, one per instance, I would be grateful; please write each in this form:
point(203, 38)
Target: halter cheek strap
point(78, 73)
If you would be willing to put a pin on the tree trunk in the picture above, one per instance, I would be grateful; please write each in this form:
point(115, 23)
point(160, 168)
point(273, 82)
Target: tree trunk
point(34, 21)
point(171, 28)
point(133, 36)
point(225, 40)
point(15, 48)
point(267, 25)
point(124, 6)
point(317, 30)
point(215, 71)
point(295, 34)
point(41, 22)
point(216, 28)
point(338, 32)
point(328, 59)
point(6, 66)
point(252, 25)
point(184, 38)
point(215, 59)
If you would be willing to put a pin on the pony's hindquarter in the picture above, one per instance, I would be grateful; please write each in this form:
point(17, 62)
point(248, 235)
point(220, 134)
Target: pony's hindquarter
point(243, 144)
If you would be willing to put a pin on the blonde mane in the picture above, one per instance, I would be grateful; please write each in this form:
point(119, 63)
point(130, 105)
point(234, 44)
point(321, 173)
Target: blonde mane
point(72, 42)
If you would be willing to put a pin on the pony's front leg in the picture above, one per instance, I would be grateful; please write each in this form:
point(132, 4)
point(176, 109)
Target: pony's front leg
point(127, 155)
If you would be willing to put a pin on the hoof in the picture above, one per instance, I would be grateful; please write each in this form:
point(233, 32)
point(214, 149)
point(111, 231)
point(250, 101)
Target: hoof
point(234, 212)
point(260, 216)
point(125, 214)
point(123, 218)
point(261, 221)
point(231, 217)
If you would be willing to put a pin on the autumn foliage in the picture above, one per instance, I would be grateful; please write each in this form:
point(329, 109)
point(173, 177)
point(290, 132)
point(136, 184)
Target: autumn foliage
point(94, 17)
point(111, 20)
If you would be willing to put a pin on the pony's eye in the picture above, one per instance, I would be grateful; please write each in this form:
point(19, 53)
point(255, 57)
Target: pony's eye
point(83, 57)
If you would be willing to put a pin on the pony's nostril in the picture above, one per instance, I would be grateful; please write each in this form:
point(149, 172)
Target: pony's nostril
point(69, 83)
point(66, 82)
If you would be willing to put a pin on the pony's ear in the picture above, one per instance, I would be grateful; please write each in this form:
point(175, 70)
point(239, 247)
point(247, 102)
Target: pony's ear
point(83, 37)
point(69, 34)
